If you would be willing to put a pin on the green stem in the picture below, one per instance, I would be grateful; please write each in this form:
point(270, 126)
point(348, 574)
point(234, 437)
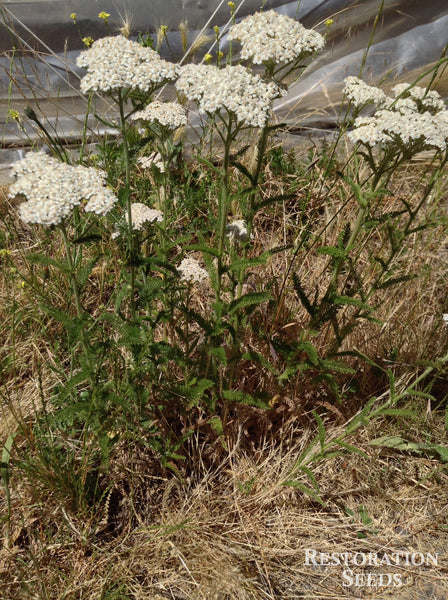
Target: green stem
point(128, 199)
point(76, 295)
point(68, 254)
point(223, 203)
point(261, 149)
point(84, 129)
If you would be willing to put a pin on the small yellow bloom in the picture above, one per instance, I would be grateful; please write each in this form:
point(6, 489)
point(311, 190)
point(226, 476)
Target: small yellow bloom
point(73, 16)
point(104, 15)
point(231, 6)
point(220, 55)
point(216, 30)
point(163, 29)
point(23, 284)
point(4, 252)
point(87, 41)
point(208, 58)
point(14, 114)
point(274, 401)
point(329, 22)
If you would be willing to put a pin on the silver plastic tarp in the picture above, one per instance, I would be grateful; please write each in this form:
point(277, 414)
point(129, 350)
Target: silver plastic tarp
point(39, 44)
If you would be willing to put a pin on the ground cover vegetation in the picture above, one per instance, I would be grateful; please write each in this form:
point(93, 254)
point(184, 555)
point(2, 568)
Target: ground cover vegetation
point(215, 350)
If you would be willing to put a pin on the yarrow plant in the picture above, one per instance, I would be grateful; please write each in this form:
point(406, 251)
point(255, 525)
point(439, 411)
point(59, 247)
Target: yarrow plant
point(170, 115)
point(271, 36)
point(168, 291)
point(142, 214)
point(52, 189)
point(116, 63)
point(157, 343)
point(415, 119)
point(359, 93)
point(276, 41)
point(233, 90)
point(191, 271)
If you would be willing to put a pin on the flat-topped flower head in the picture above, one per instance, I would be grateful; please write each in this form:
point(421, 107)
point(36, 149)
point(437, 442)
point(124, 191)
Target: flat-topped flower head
point(233, 88)
point(168, 114)
point(360, 94)
point(114, 63)
point(415, 118)
point(270, 36)
point(190, 270)
point(423, 98)
point(141, 214)
point(52, 189)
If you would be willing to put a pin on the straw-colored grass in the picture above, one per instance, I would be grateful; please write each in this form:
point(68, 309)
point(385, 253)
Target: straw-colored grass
point(227, 528)
point(232, 532)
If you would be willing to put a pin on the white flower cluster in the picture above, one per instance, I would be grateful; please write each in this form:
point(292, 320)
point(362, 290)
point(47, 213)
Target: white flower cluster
point(168, 114)
point(190, 270)
point(427, 99)
point(360, 94)
point(53, 188)
point(233, 88)
point(237, 231)
point(270, 36)
point(141, 214)
point(414, 117)
point(146, 162)
point(115, 62)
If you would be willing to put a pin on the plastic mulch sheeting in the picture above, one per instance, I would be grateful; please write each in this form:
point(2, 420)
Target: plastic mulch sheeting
point(39, 44)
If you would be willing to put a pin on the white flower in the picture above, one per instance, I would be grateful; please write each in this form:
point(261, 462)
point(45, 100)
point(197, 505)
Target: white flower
point(141, 214)
point(429, 99)
point(233, 88)
point(237, 231)
point(360, 94)
point(115, 62)
point(270, 36)
point(168, 114)
point(190, 270)
point(53, 188)
point(416, 117)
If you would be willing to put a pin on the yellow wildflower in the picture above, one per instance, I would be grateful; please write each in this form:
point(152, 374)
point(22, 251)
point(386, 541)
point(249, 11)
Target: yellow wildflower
point(104, 16)
point(329, 22)
point(87, 41)
point(231, 6)
point(73, 16)
point(14, 114)
point(208, 58)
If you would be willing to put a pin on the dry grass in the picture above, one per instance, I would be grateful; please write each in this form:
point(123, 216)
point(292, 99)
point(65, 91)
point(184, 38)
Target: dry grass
point(233, 532)
point(228, 529)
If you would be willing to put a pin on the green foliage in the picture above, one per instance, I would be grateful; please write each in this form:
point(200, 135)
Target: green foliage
point(145, 356)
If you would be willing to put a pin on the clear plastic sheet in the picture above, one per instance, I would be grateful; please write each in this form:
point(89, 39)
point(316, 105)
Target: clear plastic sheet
point(40, 72)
